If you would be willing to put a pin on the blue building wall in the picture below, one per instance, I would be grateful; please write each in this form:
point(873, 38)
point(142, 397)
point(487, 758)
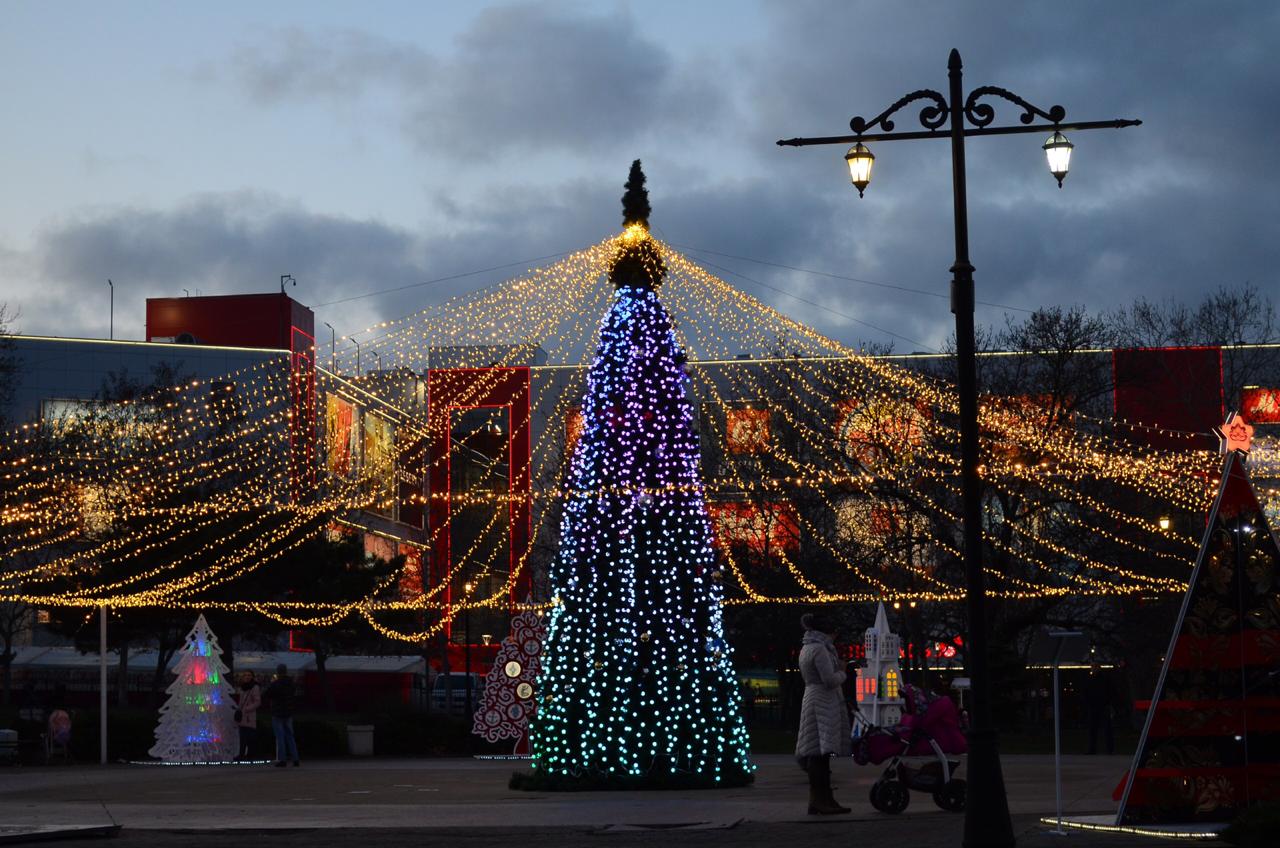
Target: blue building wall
point(51, 369)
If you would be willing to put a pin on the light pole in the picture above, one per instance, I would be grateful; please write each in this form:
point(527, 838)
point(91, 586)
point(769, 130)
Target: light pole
point(987, 809)
point(466, 637)
point(1060, 638)
point(357, 344)
point(111, 325)
point(333, 341)
point(378, 356)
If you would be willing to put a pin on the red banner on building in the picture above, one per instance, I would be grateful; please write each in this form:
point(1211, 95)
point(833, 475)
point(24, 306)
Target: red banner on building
point(1260, 405)
point(759, 527)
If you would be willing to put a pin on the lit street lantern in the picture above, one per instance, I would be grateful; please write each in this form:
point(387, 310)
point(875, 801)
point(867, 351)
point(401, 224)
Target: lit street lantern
point(1058, 151)
point(955, 116)
point(860, 160)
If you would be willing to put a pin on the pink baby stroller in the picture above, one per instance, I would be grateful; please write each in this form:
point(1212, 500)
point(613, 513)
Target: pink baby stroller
point(930, 737)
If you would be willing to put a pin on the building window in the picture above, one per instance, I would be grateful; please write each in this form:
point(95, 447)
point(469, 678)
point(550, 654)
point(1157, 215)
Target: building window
point(891, 685)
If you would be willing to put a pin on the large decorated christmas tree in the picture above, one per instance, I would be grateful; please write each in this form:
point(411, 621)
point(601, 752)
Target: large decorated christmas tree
point(197, 723)
point(637, 685)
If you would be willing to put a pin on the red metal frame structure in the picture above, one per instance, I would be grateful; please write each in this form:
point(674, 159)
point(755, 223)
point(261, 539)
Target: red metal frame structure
point(1165, 388)
point(302, 424)
point(456, 389)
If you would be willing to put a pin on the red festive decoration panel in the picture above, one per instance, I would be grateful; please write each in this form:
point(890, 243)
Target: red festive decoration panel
point(746, 430)
point(1211, 744)
point(1261, 406)
point(760, 527)
point(511, 687)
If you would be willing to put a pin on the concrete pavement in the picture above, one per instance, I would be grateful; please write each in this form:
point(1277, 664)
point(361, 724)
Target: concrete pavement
point(463, 793)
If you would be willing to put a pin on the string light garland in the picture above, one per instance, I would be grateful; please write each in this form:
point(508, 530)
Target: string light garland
point(189, 489)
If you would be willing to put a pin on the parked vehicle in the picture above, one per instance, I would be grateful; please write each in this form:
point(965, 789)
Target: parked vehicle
point(457, 681)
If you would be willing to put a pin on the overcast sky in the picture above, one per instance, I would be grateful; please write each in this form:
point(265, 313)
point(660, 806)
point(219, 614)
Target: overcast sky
point(358, 147)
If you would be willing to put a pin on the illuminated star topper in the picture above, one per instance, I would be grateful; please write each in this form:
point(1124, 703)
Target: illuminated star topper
point(1235, 434)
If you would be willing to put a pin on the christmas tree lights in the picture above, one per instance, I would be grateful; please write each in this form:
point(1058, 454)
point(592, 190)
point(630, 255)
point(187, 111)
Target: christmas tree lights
point(197, 723)
point(637, 686)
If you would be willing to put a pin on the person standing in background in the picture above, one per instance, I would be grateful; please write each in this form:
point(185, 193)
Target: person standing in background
point(824, 718)
point(1099, 698)
point(247, 714)
point(279, 698)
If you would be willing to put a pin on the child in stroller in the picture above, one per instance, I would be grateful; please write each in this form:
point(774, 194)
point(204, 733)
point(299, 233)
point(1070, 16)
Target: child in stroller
point(929, 731)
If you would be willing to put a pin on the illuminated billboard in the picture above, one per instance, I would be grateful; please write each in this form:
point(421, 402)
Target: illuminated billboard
point(1260, 405)
point(340, 436)
point(379, 461)
point(746, 430)
point(760, 528)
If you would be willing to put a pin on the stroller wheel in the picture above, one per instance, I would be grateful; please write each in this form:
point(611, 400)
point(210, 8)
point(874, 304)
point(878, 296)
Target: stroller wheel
point(951, 796)
point(890, 796)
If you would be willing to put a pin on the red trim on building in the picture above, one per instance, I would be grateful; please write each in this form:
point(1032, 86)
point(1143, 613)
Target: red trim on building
point(450, 389)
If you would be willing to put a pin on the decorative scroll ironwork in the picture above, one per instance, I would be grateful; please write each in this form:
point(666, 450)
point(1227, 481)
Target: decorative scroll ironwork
point(982, 114)
point(937, 111)
point(931, 117)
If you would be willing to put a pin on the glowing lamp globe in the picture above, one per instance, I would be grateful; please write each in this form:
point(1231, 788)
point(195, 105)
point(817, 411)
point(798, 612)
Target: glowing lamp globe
point(860, 160)
point(1058, 151)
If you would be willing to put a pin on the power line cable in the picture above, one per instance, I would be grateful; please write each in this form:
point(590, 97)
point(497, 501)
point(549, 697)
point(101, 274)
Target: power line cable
point(919, 344)
point(843, 277)
point(442, 279)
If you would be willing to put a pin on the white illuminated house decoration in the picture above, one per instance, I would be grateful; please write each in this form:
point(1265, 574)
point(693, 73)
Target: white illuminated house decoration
point(879, 685)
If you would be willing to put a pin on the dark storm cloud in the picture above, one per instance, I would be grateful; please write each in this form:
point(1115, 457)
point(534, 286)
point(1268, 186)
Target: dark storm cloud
point(242, 242)
point(216, 244)
point(530, 76)
point(238, 242)
point(1170, 209)
point(339, 65)
point(224, 240)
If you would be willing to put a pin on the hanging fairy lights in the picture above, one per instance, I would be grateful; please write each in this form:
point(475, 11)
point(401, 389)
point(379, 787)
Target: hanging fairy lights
point(188, 490)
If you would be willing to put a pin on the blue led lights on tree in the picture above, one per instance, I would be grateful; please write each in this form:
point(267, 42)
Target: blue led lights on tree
point(637, 686)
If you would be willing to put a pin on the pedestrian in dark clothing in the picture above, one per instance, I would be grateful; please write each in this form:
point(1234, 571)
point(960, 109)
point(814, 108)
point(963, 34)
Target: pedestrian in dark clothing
point(1099, 697)
point(279, 698)
point(250, 698)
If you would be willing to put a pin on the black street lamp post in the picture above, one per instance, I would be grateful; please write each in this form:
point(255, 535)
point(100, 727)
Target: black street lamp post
point(333, 342)
point(987, 809)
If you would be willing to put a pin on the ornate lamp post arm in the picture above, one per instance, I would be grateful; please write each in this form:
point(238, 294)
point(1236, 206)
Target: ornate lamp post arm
point(987, 823)
point(977, 115)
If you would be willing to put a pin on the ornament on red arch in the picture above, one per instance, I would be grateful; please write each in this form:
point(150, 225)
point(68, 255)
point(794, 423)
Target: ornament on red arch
point(1235, 434)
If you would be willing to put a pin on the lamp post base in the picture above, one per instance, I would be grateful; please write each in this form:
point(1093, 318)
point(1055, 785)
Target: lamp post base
point(986, 812)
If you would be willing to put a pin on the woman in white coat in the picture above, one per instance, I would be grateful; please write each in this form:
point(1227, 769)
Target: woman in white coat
point(824, 718)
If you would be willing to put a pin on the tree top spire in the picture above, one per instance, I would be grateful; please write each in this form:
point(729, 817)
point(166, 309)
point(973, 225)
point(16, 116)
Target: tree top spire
point(637, 261)
point(635, 202)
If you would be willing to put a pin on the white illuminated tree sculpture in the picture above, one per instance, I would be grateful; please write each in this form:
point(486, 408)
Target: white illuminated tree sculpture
point(197, 723)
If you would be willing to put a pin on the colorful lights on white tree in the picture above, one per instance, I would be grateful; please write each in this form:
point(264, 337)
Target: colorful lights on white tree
point(197, 723)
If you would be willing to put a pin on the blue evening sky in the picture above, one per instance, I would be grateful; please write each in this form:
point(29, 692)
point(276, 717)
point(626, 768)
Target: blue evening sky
point(213, 147)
